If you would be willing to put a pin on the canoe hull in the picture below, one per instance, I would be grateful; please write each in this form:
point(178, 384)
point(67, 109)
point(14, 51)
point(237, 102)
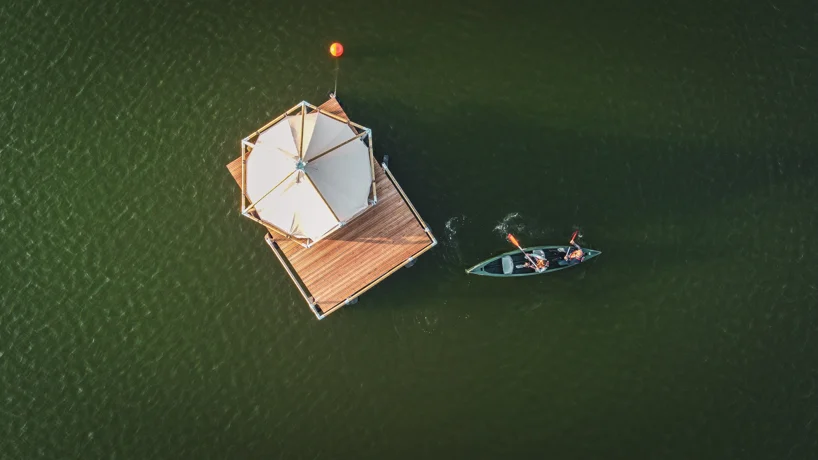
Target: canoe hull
point(554, 254)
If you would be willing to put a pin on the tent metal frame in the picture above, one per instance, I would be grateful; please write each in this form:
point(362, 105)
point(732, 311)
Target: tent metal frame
point(247, 144)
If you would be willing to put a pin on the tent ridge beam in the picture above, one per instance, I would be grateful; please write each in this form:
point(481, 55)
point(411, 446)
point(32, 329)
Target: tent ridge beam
point(253, 205)
point(315, 187)
point(337, 146)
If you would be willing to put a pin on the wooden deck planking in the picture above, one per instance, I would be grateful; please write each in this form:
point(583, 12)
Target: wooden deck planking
point(360, 254)
point(332, 106)
point(235, 170)
point(382, 238)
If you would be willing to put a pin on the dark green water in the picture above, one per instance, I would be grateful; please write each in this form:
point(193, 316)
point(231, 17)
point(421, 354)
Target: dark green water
point(142, 317)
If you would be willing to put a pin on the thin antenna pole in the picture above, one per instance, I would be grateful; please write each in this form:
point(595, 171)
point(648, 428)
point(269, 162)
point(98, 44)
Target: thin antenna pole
point(337, 68)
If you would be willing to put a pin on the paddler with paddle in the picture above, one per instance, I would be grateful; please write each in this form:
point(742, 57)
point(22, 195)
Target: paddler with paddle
point(541, 263)
point(576, 255)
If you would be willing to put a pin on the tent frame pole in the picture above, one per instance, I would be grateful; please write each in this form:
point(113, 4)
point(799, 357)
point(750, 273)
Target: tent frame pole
point(243, 174)
point(275, 120)
point(253, 205)
point(372, 170)
point(338, 146)
point(301, 134)
point(322, 198)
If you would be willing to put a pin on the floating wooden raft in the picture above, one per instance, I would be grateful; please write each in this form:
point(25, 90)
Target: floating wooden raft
point(337, 269)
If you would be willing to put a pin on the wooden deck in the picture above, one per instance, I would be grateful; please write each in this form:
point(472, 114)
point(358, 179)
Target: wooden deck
point(336, 270)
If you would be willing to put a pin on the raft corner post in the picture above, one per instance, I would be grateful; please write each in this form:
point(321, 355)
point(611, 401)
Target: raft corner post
point(315, 310)
point(431, 235)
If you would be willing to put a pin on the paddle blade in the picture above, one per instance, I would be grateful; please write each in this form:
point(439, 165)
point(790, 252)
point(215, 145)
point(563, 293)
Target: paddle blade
point(574, 236)
point(512, 240)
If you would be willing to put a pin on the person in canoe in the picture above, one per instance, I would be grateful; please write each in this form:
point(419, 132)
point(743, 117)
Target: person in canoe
point(575, 254)
point(538, 263)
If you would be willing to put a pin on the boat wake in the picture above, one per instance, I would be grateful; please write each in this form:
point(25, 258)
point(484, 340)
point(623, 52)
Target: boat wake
point(450, 241)
point(426, 324)
point(513, 222)
point(452, 224)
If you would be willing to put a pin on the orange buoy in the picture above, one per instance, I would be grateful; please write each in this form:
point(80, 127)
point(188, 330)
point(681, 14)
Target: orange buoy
point(336, 49)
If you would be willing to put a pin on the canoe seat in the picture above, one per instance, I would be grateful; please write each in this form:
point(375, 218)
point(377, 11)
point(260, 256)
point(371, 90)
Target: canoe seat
point(508, 265)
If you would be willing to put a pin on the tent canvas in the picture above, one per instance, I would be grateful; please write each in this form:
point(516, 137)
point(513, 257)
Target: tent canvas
point(307, 173)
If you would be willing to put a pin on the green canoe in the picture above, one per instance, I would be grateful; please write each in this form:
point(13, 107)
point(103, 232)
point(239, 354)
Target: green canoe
point(512, 263)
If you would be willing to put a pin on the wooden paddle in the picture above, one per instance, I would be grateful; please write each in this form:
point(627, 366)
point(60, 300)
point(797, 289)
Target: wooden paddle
point(514, 241)
point(573, 237)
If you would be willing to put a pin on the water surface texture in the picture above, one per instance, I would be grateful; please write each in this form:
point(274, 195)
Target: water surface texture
point(142, 318)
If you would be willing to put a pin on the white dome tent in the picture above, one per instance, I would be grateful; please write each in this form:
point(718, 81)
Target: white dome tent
point(307, 173)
